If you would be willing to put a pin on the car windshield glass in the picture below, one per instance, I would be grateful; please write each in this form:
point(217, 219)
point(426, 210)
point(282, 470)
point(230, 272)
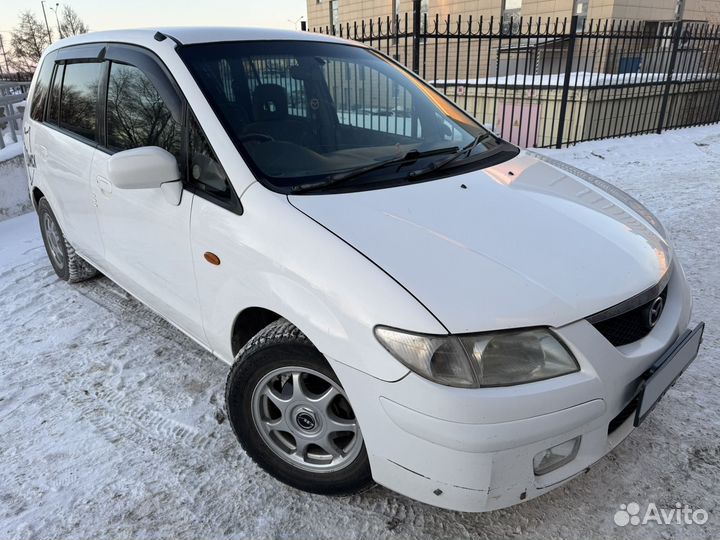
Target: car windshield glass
point(303, 112)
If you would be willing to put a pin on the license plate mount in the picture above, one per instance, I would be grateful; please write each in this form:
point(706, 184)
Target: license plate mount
point(662, 375)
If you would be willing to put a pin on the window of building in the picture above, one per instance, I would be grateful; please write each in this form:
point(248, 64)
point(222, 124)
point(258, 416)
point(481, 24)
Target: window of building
point(78, 101)
point(137, 115)
point(581, 10)
point(511, 12)
point(334, 13)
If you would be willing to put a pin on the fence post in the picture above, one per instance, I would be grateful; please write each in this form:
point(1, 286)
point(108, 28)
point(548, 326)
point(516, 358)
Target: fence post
point(416, 37)
point(12, 122)
point(677, 32)
point(566, 83)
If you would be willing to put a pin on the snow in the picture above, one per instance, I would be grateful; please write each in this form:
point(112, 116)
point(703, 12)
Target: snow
point(577, 79)
point(11, 150)
point(111, 422)
point(14, 197)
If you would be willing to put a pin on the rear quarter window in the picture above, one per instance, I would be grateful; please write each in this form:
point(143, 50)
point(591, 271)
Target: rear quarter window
point(42, 88)
point(53, 107)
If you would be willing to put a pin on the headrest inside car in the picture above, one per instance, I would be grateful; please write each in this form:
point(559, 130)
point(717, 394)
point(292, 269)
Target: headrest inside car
point(270, 102)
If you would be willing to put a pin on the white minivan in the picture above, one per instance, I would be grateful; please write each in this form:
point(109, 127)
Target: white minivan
point(403, 296)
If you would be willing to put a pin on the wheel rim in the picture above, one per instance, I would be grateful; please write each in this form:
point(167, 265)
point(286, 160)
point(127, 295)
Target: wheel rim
point(54, 240)
point(306, 419)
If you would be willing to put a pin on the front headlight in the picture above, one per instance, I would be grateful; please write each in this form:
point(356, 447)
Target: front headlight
point(492, 359)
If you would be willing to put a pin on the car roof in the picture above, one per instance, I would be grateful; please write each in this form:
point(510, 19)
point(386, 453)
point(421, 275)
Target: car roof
point(197, 34)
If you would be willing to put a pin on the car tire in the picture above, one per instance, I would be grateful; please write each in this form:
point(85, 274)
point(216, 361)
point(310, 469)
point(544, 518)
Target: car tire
point(68, 265)
point(280, 365)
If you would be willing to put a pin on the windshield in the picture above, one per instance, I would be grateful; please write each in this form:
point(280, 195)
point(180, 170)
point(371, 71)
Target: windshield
point(311, 111)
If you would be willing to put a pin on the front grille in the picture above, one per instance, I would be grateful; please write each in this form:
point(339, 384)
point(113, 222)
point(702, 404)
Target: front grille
point(629, 326)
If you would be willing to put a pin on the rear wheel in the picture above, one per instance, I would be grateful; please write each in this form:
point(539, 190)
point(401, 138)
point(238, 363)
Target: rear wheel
point(68, 265)
point(293, 417)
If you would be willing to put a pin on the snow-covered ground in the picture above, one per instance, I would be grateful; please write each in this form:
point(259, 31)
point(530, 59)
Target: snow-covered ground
point(112, 424)
point(578, 79)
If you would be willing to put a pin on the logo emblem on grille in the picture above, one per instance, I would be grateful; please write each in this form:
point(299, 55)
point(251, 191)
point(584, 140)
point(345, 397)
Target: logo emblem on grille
point(655, 311)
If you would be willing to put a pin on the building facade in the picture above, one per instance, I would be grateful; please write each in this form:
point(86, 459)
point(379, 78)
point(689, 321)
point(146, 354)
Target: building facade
point(327, 13)
point(615, 79)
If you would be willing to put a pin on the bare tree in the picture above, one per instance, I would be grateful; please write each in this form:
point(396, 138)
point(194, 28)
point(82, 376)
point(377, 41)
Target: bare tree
point(71, 24)
point(27, 42)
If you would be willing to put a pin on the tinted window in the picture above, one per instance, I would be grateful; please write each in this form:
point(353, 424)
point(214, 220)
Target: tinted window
point(54, 105)
point(368, 98)
point(42, 88)
point(304, 112)
point(268, 75)
point(206, 173)
point(78, 101)
point(137, 115)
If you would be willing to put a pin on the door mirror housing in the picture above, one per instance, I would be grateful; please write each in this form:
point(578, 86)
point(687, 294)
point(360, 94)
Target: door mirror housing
point(143, 168)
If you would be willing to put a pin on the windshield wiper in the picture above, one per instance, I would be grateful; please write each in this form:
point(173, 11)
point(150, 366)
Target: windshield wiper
point(439, 164)
point(342, 177)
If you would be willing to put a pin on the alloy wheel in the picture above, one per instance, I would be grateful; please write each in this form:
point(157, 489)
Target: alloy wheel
point(306, 419)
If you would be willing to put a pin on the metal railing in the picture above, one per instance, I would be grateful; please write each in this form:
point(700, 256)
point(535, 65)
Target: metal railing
point(12, 97)
point(556, 82)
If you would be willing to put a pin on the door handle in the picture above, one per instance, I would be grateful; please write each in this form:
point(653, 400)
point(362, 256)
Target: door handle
point(104, 185)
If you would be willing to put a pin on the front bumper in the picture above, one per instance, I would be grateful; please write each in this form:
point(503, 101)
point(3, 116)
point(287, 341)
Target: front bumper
point(473, 449)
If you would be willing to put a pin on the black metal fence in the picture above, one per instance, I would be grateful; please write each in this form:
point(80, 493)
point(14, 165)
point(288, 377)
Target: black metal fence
point(23, 76)
point(557, 82)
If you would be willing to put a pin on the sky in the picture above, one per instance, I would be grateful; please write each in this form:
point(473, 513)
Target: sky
point(111, 14)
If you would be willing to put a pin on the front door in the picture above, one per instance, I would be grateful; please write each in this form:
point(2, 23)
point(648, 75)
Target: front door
point(146, 237)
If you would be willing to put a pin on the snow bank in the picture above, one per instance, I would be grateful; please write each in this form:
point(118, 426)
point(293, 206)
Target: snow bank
point(11, 150)
point(14, 197)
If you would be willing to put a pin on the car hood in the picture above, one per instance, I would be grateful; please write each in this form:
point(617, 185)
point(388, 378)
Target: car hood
point(518, 244)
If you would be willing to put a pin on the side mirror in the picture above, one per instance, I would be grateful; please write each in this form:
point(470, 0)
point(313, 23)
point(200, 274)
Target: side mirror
point(143, 168)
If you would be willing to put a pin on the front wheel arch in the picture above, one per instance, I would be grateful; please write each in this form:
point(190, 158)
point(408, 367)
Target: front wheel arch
point(247, 323)
point(281, 345)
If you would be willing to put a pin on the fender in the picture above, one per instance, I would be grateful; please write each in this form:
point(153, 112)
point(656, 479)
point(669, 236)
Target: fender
point(296, 268)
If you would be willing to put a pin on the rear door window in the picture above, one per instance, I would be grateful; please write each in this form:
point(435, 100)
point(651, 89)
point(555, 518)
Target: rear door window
point(78, 101)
